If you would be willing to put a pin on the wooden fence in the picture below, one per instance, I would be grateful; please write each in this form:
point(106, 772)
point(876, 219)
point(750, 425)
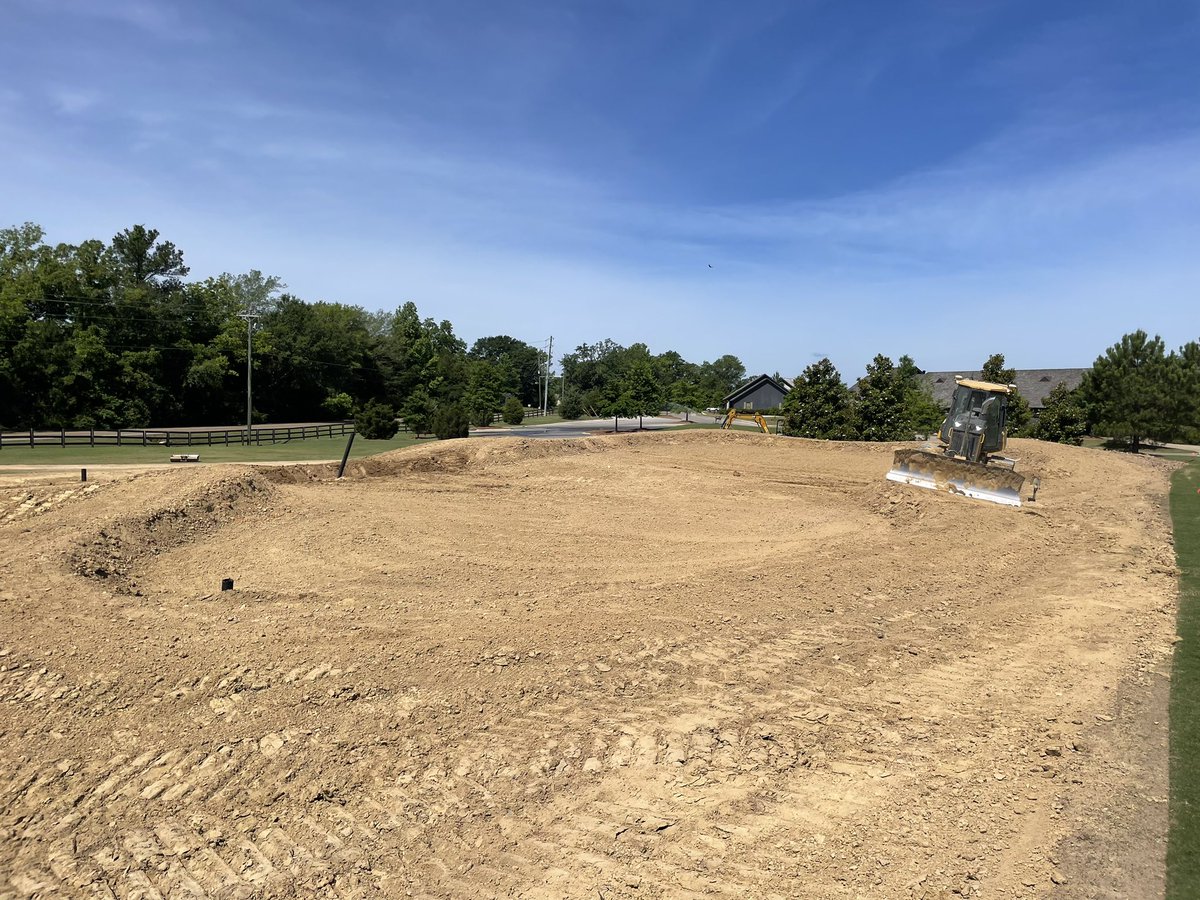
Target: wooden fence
point(173, 437)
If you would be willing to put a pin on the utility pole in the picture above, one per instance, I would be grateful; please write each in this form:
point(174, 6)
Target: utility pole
point(546, 391)
point(249, 317)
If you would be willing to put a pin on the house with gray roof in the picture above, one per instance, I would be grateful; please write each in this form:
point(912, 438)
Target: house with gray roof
point(763, 392)
point(1034, 385)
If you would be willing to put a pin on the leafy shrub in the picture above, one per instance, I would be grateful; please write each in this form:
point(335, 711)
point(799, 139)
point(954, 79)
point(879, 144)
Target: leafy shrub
point(338, 406)
point(376, 421)
point(514, 412)
point(572, 405)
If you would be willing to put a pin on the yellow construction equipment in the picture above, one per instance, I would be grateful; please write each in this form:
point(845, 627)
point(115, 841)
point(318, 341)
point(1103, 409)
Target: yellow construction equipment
point(750, 417)
point(967, 461)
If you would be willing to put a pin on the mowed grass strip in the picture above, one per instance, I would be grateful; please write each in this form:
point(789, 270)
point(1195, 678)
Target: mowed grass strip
point(1183, 847)
point(306, 450)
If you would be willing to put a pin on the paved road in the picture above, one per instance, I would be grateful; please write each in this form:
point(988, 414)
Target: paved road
point(582, 427)
point(577, 428)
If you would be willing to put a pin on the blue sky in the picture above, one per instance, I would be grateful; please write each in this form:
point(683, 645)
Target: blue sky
point(778, 180)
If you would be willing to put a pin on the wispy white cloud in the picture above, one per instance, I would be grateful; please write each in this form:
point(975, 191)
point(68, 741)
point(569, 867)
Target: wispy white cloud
point(73, 101)
point(1038, 240)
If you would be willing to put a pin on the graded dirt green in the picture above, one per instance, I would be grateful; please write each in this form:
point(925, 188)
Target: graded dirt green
point(652, 665)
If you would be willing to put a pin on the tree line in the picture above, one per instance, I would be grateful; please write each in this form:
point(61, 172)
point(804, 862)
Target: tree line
point(1135, 391)
point(111, 334)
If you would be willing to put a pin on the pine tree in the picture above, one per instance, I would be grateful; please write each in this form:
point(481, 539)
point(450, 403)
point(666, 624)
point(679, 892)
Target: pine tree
point(1127, 391)
point(1064, 419)
point(451, 421)
point(818, 404)
point(1184, 392)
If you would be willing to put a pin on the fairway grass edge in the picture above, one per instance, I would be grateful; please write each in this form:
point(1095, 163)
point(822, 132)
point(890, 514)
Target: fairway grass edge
point(1183, 848)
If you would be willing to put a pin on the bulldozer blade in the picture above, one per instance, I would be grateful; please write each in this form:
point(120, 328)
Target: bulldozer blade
point(937, 472)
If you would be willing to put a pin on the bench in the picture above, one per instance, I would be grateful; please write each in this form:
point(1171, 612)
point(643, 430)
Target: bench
point(185, 457)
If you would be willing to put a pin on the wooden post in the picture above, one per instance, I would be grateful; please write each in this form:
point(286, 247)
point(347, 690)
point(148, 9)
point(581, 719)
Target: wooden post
point(30, 437)
point(62, 436)
point(91, 437)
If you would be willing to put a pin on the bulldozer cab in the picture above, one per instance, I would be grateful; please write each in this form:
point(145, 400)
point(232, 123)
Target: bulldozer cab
point(975, 424)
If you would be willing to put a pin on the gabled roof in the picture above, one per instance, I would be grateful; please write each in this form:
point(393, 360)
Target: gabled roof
point(782, 385)
point(1033, 384)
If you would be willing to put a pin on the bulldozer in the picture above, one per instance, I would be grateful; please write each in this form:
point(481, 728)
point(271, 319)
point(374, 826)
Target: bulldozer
point(968, 460)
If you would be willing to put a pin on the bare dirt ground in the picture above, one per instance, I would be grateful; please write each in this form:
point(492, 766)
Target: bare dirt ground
point(492, 669)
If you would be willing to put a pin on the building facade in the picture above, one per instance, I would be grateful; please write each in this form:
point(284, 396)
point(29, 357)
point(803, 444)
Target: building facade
point(763, 392)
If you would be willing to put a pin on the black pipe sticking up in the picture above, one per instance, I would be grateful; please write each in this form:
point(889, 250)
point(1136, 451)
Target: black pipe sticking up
point(346, 455)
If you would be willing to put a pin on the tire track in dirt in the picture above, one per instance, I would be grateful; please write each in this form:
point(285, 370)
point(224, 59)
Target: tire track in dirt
point(410, 714)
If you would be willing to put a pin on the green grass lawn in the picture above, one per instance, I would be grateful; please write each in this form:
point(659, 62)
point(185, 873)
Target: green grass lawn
point(311, 449)
point(1183, 847)
point(1096, 443)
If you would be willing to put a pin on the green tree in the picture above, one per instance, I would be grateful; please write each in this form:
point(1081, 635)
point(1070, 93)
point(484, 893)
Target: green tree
point(572, 405)
point(376, 421)
point(879, 409)
point(451, 421)
point(1184, 392)
point(1019, 416)
point(1127, 391)
point(921, 414)
point(643, 391)
point(524, 365)
point(514, 412)
point(1064, 418)
point(818, 404)
point(138, 258)
point(338, 406)
point(417, 412)
point(485, 391)
point(623, 406)
point(721, 376)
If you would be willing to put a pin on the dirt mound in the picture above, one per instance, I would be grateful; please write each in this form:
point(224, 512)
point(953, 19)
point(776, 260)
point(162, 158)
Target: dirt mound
point(481, 455)
point(121, 542)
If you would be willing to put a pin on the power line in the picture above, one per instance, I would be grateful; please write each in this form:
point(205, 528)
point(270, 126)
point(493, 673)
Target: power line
point(177, 349)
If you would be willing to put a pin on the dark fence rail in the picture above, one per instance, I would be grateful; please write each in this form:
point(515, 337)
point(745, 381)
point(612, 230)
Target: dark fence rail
point(173, 437)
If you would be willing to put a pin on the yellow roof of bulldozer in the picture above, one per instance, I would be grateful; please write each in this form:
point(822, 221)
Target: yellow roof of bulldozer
point(984, 386)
